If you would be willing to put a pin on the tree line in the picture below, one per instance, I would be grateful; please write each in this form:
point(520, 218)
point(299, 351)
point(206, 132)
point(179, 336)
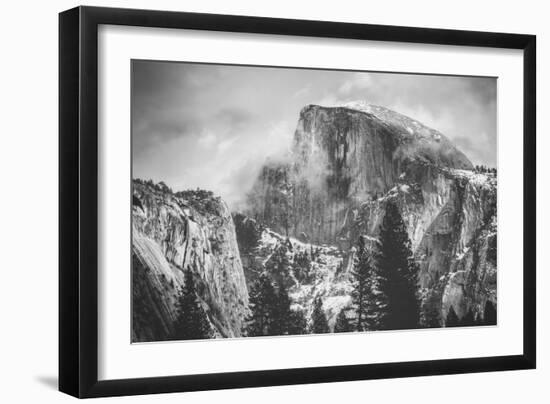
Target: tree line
point(484, 169)
point(471, 319)
point(385, 292)
point(384, 295)
point(271, 313)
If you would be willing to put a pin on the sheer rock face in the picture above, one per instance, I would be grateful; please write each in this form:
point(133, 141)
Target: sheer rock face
point(342, 157)
point(172, 233)
point(347, 162)
point(450, 216)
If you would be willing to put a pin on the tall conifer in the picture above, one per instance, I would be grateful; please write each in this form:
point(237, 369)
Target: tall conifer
point(281, 322)
point(342, 323)
point(263, 303)
point(364, 296)
point(297, 323)
point(431, 310)
point(489, 314)
point(452, 319)
point(191, 322)
point(397, 274)
point(319, 323)
point(469, 319)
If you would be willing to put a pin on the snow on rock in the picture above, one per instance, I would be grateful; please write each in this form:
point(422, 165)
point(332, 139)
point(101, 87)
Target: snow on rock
point(484, 180)
point(323, 273)
point(341, 157)
point(348, 161)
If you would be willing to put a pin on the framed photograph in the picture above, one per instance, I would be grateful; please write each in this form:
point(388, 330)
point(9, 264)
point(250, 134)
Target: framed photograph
point(251, 201)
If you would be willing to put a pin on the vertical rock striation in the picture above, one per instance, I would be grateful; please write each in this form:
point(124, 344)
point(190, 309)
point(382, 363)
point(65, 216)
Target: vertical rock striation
point(191, 230)
point(347, 162)
point(342, 157)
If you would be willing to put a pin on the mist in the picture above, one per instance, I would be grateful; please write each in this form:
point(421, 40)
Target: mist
point(214, 126)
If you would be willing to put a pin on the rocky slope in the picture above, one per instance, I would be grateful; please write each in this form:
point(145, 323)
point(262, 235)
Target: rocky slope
point(313, 270)
point(347, 162)
point(172, 232)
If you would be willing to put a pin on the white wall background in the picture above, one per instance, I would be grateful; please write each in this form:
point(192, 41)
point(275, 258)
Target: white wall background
point(28, 202)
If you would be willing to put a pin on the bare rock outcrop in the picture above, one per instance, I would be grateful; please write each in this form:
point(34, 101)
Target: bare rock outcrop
point(348, 162)
point(173, 232)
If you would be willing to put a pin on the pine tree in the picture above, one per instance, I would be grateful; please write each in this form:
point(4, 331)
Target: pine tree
point(263, 302)
point(342, 323)
point(452, 318)
point(270, 311)
point(280, 324)
point(477, 320)
point(248, 233)
point(301, 266)
point(468, 320)
point(363, 295)
point(191, 322)
point(319, 323)
point(489, 314)
point(297, 323)
point(397, 274)
point(431, 310)
point(278, 265)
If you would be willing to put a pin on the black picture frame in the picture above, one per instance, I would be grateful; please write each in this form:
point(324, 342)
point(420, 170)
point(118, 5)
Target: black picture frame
point(78, 201)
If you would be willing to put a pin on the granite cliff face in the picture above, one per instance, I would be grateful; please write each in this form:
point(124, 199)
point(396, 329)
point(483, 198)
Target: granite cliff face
point(172, 232)
point(340, 158)
point(347, 162)
point(308, 211)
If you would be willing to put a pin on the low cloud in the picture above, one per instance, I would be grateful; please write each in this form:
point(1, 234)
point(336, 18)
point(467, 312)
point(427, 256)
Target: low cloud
point(213, 126)
point(359, 81)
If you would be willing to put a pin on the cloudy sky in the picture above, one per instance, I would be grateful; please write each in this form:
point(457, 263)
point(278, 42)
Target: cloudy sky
point(212, 126)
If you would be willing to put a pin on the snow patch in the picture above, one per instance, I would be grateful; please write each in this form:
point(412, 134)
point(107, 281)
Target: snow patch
point(475, 178)
point(460, 256)
point(404, 188)
point(330, 281)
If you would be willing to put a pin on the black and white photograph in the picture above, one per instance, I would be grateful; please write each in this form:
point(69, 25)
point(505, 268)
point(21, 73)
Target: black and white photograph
point(244, 202)
point(272, 201)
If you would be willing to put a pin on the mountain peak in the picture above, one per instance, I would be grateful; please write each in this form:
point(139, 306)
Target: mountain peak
point(406, 124)
point(413, 138)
